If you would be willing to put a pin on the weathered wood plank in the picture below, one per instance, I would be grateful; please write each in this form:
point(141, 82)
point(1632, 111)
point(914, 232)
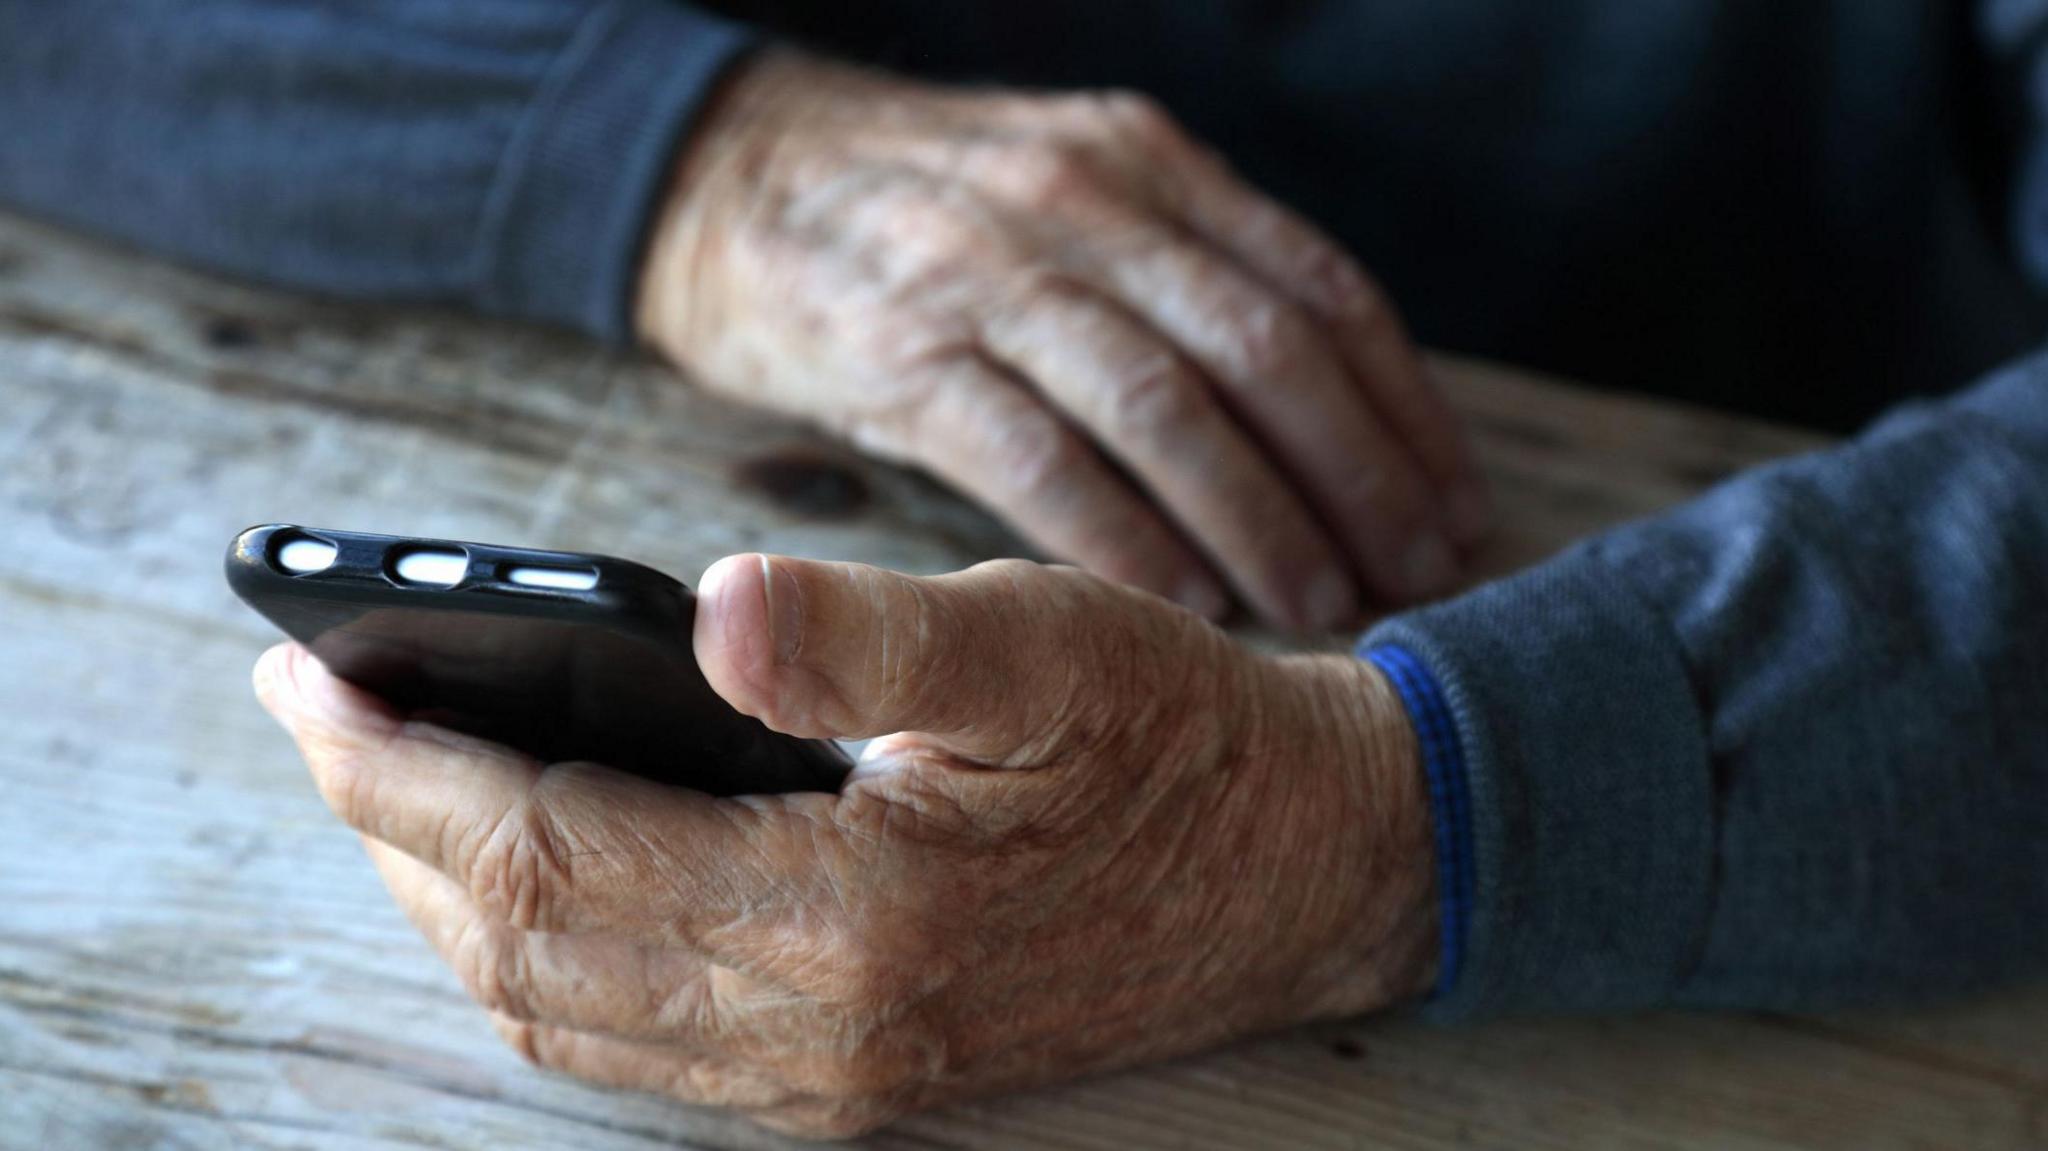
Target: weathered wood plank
point(193, 954)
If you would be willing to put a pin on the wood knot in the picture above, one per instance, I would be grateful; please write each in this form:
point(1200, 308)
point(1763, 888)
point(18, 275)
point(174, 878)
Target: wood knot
point(805, 484)
point(228, 333)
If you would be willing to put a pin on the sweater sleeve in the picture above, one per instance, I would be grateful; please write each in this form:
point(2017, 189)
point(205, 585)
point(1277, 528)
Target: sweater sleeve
point(1785, 747)
point(2014, 37)
point(501, 154)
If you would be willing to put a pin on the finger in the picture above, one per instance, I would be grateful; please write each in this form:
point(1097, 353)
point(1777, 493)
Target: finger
point(692, 1078)
point(1293, 256)
point(597, 983)
point(572, 847)
point(1160, 417)
point(602, 985)
point(701, 1080)
point(982, 660)
point(988, 436)
point(1280, 373)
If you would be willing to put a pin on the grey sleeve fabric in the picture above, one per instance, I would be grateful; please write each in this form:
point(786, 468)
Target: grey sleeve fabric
point(500, 154)
point(1785, 747)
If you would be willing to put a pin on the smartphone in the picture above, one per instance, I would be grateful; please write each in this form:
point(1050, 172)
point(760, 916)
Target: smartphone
point(560, 655)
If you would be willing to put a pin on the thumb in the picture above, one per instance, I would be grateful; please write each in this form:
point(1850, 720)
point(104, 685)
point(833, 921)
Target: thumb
point(830, 650)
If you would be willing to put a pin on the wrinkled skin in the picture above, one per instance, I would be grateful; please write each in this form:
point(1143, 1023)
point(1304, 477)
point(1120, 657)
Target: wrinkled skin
point(1095, 831)
point(1072, 312)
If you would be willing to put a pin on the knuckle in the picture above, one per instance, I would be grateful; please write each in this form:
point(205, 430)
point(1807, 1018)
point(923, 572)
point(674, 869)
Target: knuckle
point(1041, 288)
point(1070, 593)
point(1035, 453)
point(1037, 295)
point(1366, 307)
point(907, 339)
point(921, 354)
point(1139, 114)
point(520, 869)
point(345, 784)
point(1272, 339)
point(1015, 572)
point(526, 1040)
point(1050, 174)
point(1156, 400)
point(699, 1082)
point(494, 972)
point(552, 1047)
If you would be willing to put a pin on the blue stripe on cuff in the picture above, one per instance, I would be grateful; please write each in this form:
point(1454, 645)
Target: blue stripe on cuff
point(1443, 765)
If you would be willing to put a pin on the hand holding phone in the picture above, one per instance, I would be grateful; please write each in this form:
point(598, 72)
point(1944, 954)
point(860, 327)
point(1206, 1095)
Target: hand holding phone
point(560, 655)
point(1089, 829)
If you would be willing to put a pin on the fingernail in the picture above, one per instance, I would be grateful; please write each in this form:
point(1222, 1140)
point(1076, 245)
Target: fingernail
point(1329, 601)
point(1428, 567)
point(1200, 595)
point(291, 683)
point(785, 611)
point(318, 688)
point(267, 676)
point(1468, 512)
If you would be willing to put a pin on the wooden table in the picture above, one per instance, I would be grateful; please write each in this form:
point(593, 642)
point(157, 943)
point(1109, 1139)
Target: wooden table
point(194, 954)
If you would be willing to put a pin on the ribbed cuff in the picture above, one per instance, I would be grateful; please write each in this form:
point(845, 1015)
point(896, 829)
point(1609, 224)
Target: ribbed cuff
point(1443, 769)
point(1587, 789)
point(569, 210)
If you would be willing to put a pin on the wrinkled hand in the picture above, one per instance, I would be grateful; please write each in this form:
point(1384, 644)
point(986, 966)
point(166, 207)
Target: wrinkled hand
point(1068, 309)
point(1103, 833)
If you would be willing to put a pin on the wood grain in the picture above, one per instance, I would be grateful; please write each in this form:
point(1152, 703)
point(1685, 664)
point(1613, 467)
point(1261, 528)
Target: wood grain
point(193, 954)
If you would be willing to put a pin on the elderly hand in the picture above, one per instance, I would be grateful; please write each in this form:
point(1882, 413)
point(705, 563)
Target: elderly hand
point(1068, 309)
point(1102, 833)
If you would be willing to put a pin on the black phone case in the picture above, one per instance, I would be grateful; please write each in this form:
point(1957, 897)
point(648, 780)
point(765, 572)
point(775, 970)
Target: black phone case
point(604, 675)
